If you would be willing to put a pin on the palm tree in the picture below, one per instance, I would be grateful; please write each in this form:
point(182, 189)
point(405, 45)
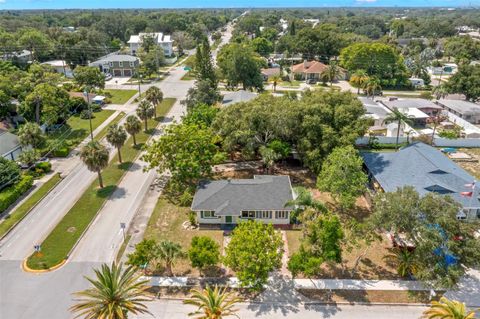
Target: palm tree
point(304, 199)
point(133, 127)
point(405, 261)
point(169, 252)
point(115, 294)
point(31, 134)
point(436, 120)
point(448, 309)
point(372, 86)
point(440, 91)
point(117, 136)
point(331, 73)
point(95, 156)
point(145, 111)
point(212, 303)
point(358, 79)
point(275, 79)
point(269, 157)
point(398, 117)
point(155, 96)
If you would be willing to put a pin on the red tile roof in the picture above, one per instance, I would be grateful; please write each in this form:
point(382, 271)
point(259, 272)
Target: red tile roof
point(309, 67)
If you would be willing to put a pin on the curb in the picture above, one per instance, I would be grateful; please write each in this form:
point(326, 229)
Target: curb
point(33, 207)
point(39, 271)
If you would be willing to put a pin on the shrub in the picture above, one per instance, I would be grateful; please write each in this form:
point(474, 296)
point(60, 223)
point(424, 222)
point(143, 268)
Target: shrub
point(185, 199)
point(40, 169)
point(96, 107)
point(85, 114)
point(61, 152)
point(9, 173)
point(203, 252)
point(9, 195)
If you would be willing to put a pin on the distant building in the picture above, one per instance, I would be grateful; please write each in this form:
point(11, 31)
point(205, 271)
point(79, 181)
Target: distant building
point(378, 113)
point(417, 82)
point(468, 111)
point(23, 57)
point(162, 40)
point(420, 110)
point(446, 69)
point(118, 65)
point(237, 97)
point(60, 66)
point(427, 170)
point(270, 72)
point(312, 70)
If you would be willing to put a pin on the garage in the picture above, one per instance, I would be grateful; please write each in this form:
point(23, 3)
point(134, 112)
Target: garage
point(127, 72)
point(117, 72)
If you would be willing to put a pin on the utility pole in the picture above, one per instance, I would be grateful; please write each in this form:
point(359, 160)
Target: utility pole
point(86, 93)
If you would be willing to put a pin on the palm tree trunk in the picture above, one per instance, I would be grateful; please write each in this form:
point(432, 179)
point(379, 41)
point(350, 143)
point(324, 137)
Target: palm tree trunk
point(433, 133)
point(398, 133)
point(358, 90)
point(100, 179)
point(134, 140)
point(37, 111)
point(168, 269)
point(119, 155)
point(155, 110)
point(146, 125)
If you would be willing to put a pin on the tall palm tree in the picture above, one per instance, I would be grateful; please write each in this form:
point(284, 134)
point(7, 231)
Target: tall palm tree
point(448, 309)
point(117, 136)
point(145, 111)
point(358, 79)
point(133, 126)
point(31, 134)
point(372, 86)
point(212, 303)
point(440, 91)
point(115, 293)
point(405, 261)
point(304, 199)
point(398, 117)
point(95, 156)
point(331, 73)
point(155, 96)
point(436, 120)
point(169, 252)
point(275, 79)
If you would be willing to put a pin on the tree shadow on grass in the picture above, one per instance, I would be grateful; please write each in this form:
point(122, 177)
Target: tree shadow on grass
point(106, 191)
point(125, 166)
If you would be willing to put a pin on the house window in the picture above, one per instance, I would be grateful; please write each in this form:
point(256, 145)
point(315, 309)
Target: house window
point(132, 64)
point(248, 214)
point(281, 214)
point(120, 64)
point(263, 214)
point(111, 64)
point(208, 214)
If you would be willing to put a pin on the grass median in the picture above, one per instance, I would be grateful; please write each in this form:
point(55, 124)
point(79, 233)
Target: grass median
point(15, 216)
point(104, 131)
point(56, 247)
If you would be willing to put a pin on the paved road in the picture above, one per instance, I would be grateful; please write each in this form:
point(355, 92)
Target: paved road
point(173, 309)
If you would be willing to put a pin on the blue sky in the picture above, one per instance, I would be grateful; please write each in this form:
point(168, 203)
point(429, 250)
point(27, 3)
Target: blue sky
point(95, 4)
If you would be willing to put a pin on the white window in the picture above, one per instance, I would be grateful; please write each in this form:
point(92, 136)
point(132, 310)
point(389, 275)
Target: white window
point(248, 214)
point(281, 214)
point(132, 64)
point(111, 64)
point(208, 214)
point(120, 64)
point(263, 214)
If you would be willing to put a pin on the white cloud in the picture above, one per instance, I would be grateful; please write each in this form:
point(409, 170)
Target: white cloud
point(3, 1)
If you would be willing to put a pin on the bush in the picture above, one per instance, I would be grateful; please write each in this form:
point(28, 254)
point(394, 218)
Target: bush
point(96, 107)
point(9, 195)
point(61, 152)
point(40, 169)
point(77, 105)
point(9, 173)
point(185, 199)
point(85, 114)
point(203, 252)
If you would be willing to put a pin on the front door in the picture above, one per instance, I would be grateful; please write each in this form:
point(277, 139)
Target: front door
point(228, 219)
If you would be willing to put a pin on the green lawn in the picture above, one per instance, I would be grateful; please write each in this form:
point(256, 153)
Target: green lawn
point(120, 96)
point(63, 237)
point(77, 129)
point(27, 205)
point(103, 132)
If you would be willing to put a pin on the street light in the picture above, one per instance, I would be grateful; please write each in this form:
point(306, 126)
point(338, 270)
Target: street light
point(139, 81)
point(123, 226)
point(85, 93)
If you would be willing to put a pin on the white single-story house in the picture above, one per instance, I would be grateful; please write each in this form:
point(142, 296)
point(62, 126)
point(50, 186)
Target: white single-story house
point(224, 203)
point(417, 82)
point(162, 40)
point(468, 111)
point(60, 66)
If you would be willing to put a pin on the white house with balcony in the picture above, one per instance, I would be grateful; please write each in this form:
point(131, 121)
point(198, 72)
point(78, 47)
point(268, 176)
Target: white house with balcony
point(162, 40)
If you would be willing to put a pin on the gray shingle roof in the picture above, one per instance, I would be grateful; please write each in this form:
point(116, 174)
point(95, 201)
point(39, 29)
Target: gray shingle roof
point(230, 197)
point(423, 167)
point(115, 58)
point(412, 103)
point(462, 107)
point(238, 96)
point(371, 107)
point(8, 142)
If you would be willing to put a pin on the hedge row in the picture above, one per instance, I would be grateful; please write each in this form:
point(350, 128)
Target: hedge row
point(9, 195)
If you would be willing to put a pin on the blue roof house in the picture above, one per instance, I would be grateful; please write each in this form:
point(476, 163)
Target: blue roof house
point(427, 170)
